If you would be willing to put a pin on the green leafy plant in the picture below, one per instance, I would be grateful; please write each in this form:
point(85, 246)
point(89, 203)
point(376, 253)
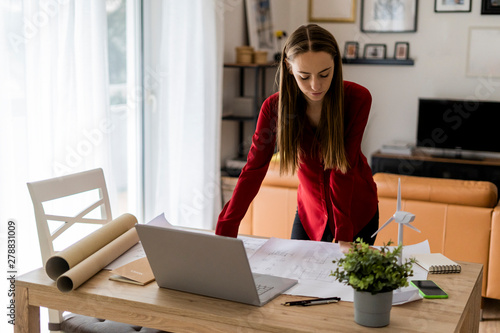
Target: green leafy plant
point(368, 269)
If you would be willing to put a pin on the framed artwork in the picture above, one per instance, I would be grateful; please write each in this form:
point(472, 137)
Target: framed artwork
point(452, 6)
point(351, 50)
point(490, 7)
point(374, 51)
point(260, 26)
point(401, 50)
point(481, 63)
point(332, 11)
point(389, 15)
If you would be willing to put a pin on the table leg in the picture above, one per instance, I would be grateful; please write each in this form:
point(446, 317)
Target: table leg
point(27, 316)
point(472, 312)
point(482, 307)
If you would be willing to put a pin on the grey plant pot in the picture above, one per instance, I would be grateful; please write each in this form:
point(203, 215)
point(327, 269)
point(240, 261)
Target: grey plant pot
point(372, 310)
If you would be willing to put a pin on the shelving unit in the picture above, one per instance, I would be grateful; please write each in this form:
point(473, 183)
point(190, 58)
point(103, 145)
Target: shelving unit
point(259, 93)
point(392, 62)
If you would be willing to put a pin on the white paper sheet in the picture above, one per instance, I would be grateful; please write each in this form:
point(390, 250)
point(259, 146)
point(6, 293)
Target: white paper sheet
point(311, 264)
point(134, 253)
point(160, 221)
point(137, 252)
point(252, 244)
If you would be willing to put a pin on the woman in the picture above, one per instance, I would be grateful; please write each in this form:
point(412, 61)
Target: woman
point(318, 121)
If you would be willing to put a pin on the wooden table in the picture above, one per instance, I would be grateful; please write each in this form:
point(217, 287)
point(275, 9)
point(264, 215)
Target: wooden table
point(183, 312)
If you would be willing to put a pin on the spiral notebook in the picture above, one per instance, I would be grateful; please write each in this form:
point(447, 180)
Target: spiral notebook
point(437, 263)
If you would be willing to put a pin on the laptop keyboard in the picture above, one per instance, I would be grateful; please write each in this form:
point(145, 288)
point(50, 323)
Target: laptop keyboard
point(261, 289)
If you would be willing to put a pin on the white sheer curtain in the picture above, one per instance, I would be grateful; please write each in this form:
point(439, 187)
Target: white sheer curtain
point(185, 173)
point(54, 104)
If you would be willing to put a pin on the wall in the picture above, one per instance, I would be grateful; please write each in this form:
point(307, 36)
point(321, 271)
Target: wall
point(439, 48)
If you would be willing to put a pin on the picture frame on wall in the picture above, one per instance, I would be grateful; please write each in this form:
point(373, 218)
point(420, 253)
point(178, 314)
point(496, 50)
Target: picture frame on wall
point(480, 63)
point(332, 11)
point(489, 7)
point(389, 16)
point(401, 50)
point(374, 51)
point(351, 50)
point(260, 26)
point(452, 6)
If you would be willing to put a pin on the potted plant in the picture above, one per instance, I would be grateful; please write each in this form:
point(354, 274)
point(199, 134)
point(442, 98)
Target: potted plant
point(373, 274)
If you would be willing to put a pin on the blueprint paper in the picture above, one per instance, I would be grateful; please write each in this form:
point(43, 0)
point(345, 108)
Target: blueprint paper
point(311, 264)
point(252, 244)
point(308, 262)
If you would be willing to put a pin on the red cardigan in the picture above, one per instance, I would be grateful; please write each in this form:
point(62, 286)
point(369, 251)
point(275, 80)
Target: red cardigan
point(346, 201)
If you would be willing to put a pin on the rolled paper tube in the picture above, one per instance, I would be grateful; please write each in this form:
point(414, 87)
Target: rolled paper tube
point(77, 275)
point(68, 258)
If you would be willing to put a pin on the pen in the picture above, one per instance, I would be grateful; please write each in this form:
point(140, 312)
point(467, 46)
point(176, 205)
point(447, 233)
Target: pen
point(315, 301)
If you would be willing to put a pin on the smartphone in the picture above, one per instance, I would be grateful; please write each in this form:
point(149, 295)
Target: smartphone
point(429, 289)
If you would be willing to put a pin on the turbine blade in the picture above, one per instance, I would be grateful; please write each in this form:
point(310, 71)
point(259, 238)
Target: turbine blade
point(382, 227)
point(399, 195)
point(409, 225)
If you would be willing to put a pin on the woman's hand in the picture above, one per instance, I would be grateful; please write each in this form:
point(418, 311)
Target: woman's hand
point(345, 246)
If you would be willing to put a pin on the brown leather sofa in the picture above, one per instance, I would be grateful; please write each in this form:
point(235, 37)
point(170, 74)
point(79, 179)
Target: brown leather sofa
point(493, 283)
point(454, 215)
point(272, 211)
point(459, 218)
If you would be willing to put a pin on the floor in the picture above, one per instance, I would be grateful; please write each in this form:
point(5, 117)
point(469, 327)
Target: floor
point(491, 317)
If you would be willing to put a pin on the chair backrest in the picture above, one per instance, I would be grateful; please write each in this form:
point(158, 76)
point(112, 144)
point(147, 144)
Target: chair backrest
point(65, 186)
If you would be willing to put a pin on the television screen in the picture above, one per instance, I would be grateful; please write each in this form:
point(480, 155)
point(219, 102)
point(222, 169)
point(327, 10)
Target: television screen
point(459, 124)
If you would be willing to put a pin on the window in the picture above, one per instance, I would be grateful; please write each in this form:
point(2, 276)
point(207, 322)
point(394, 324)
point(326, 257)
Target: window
point(125, 97)
point(42, 103)
point(41, 58)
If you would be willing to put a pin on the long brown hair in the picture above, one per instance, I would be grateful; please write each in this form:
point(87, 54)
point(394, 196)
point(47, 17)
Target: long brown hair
point(292, 104)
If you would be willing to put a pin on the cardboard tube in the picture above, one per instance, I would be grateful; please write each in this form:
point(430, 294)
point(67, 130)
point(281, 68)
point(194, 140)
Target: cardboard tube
point(68, 258)
point(87, 268)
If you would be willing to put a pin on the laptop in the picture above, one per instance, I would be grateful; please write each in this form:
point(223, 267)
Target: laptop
point(208, 265)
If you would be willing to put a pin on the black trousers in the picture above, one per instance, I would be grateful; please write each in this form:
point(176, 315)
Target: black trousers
point(365, 234)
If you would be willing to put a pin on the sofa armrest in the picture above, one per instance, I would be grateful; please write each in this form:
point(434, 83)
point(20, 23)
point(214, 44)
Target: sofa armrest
point(440, 190)
point(493, 287)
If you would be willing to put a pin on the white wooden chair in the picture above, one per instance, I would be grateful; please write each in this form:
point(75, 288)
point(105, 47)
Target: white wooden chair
point(88, 188)
point(60, 187)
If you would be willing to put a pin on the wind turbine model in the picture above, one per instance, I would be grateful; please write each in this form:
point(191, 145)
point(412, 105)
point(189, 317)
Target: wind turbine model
point(401, 217)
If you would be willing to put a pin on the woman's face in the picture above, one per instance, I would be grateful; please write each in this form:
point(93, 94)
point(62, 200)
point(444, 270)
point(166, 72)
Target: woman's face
point(313, 72)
